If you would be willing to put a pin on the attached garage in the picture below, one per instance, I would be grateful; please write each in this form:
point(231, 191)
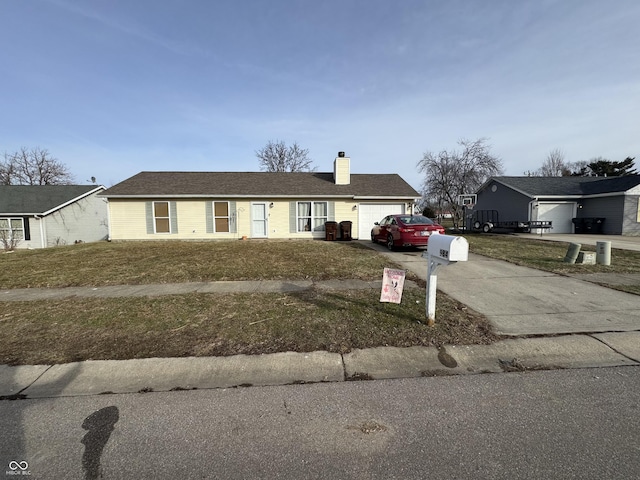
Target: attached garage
point(559, 213)
point(369, 213)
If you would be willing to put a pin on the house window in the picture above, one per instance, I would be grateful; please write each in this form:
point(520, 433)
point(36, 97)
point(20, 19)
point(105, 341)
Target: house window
point(311, 216)
point(221, 217)
point(11, 229)
point(161, 217)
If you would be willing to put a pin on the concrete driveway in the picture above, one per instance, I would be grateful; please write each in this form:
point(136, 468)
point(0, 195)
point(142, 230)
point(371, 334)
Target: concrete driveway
point(522, 301)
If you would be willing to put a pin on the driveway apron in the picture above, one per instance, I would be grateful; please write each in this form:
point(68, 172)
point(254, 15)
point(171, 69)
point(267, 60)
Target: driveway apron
point(522, 301)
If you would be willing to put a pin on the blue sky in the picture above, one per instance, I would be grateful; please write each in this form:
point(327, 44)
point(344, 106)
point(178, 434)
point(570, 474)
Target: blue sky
point(113, 87)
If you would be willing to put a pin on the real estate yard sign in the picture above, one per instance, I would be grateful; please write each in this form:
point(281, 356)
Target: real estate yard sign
point(392, 285)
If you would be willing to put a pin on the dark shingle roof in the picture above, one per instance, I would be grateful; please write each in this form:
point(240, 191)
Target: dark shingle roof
point(38, 199)
point(247, 184)
point(563, 186)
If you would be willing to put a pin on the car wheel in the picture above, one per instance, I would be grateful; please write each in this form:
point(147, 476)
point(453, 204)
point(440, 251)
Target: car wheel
point(487, 227)
point(373, 237)
point(476, 225)
point(390, 245)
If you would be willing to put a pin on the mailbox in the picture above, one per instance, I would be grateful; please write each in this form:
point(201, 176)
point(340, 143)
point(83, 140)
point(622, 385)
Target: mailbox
point(441, 250)
point(447, 248)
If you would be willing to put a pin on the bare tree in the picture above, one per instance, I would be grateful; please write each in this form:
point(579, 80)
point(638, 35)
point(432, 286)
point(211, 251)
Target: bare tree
point(35, 166)
point(277, 157)
point(9, 238)
point(449, 174)
point(555, 165)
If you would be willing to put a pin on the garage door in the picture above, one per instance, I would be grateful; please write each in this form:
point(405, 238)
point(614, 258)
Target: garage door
point(369, 213)
point(558, 213)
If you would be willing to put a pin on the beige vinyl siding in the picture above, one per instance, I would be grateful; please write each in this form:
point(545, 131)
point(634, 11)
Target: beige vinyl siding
point(129, 222)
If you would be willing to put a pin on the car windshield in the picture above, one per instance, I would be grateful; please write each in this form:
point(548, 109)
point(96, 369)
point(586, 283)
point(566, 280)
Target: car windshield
point(416, 220)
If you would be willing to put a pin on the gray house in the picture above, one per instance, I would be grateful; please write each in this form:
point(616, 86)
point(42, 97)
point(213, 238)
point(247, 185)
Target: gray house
point(609, 205)
point(41, 216)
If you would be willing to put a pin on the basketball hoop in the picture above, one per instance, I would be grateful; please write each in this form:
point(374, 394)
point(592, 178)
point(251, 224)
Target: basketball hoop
point(468, 200)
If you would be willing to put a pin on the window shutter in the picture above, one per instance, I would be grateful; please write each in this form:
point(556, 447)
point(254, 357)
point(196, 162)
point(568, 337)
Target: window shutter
point(149, 215)
point(209, 213)
point(173, 216)
point(293, 228)
point(331, 211)
point(27, 230)
point(233, 216)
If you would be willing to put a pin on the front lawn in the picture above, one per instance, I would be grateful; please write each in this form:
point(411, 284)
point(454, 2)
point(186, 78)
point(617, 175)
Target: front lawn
point(61, 331)
point(132, 263)
point(75, 329)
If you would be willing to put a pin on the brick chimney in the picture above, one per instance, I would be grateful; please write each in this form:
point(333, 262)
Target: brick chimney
point(342, 170)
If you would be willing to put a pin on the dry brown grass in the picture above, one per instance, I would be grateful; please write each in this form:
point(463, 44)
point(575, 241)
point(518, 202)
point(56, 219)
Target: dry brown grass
point(132, 263)
point(45, 332)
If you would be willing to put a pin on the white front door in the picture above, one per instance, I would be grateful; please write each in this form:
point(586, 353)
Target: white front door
point(259, 220)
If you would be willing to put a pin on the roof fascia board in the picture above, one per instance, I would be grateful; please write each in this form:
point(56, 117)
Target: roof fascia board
point(387, 198)
point(212, 195)
point(557, 197)
point(73, 200)
point(579, 197)
point(610, 194)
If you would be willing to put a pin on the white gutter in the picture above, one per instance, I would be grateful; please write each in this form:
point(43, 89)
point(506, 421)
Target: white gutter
point(42, 233)
point(220, 195)
point(533, 204)
point(73, 200)
point(108, 221)
point(250, 197)
point(388, 198)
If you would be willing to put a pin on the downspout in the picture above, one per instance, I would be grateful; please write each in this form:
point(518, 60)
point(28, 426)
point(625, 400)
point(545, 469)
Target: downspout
point(108, 220)
point(42, 233)
point(533, 205)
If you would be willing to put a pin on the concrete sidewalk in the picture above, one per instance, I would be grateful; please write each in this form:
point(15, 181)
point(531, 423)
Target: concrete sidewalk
point(520, 302)
point(154, 290)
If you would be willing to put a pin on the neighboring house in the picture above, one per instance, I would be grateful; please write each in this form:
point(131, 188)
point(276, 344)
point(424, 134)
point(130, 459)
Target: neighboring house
point(615, 201)
point(226, 205)
point(38, 216)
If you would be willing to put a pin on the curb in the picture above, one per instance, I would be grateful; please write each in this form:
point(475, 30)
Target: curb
point(96, 377)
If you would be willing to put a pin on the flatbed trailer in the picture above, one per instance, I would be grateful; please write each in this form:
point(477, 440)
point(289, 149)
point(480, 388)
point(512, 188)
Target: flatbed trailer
point(487, 220)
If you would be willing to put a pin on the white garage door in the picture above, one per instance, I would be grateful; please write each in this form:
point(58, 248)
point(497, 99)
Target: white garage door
point(560, 214)
point(369, 213)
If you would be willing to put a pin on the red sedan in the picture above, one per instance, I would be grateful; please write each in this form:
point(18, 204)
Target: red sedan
point(404, 231)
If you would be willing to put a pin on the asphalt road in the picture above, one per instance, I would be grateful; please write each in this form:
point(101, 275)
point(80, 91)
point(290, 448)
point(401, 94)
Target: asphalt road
point(554, 424)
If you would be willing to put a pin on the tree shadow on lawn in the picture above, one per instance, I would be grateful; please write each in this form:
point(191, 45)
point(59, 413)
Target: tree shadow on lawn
point(359, 322)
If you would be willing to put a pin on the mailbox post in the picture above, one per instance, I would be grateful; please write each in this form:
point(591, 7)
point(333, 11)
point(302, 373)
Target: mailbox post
point(441, 250)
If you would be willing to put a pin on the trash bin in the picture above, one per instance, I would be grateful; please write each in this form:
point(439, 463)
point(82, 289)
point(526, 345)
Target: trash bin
point(589, 224)
point(330, 231)
point(578, 225)
point(599, 225)
point(345, 230)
